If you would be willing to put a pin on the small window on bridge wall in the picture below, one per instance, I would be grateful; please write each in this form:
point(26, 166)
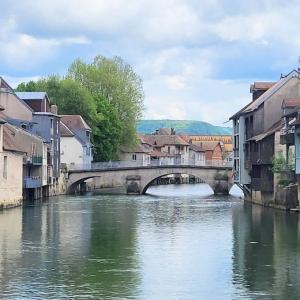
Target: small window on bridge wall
point(133, 156)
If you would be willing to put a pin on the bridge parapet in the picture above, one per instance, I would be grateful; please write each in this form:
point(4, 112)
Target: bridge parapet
point(139, 163)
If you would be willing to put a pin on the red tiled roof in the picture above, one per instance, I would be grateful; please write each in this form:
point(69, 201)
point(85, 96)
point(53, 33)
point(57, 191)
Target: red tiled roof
point(196, 148)
point(139, 148)
point(261, 85)
point(291, 103)
point(156, 153)
point(74, 122)
point(64, 130)
point(162, 140)
point(206, 145)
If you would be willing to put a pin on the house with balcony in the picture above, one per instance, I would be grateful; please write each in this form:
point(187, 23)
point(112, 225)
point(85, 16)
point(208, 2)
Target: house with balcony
point(256, 137)
point(46, 124)
point(34, 159)
point(171, 144)
point(75, 142)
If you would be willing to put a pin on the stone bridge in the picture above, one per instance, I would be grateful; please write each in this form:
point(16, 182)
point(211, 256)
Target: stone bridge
point(136, 180)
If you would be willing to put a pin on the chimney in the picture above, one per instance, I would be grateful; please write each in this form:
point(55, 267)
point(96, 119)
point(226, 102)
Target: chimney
point(53, 109)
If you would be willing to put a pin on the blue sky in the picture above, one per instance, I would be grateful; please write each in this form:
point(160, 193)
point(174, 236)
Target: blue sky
point(196, 58)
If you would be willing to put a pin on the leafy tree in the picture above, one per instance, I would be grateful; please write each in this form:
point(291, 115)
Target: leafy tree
point(116, 82)
point(107, 93)
point(107, 137)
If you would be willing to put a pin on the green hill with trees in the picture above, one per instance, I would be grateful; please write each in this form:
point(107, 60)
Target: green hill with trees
point(185, 127)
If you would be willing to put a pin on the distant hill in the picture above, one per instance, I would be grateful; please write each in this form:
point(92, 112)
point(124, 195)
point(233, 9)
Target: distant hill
point(186, 127)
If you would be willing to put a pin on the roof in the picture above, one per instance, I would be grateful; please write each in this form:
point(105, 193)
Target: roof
point(19, 140)
point(196, 148)
point(162, 140)
point(32, 95)
point(291, 103)
point(163, 131)
point(261, 85)
point(207, 145)
point(5, 86)
point(260, 100)
point(156, 153)
point(139, 148)
point(74, 122)
point(64, 130)
point(276, 127)
point(186, 138)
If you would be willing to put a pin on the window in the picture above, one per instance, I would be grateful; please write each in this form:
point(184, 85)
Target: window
point(133, 156)
point(5, 167)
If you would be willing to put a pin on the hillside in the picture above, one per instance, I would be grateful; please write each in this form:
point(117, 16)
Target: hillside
point(186, 127)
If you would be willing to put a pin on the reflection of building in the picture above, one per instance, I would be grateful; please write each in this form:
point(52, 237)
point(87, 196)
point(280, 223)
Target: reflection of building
point(265, 251)
point(10, 249)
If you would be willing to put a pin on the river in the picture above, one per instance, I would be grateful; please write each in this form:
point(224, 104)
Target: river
point(177, 242)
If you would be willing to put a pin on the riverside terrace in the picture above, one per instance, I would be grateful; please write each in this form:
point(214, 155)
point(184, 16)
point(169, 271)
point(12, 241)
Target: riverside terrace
point(136, 178)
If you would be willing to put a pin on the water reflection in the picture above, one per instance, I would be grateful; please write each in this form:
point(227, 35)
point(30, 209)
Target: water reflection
point(179, 242)
point(266, 253)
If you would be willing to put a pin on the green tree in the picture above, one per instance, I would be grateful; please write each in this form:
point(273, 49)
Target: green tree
point(107, 137)
point(107, 93)
point(114, 81)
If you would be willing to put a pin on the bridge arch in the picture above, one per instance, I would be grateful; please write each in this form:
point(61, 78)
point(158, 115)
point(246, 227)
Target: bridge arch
point(73, 186)
point(145, 188)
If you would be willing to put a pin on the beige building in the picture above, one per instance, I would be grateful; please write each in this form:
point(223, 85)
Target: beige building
point(15, 108)
point(11, 176)
point(139, 156)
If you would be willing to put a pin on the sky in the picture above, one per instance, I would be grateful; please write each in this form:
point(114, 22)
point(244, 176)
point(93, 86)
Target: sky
point(197, 58)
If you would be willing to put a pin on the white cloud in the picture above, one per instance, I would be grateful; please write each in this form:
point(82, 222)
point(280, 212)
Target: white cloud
point(19, 50)
point(177, 46)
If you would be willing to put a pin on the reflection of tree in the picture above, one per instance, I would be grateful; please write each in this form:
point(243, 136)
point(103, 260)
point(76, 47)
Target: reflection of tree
point(265, 250)
point(111, 266)
point(72, 249)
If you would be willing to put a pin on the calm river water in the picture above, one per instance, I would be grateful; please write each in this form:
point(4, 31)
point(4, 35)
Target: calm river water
point(175, 243)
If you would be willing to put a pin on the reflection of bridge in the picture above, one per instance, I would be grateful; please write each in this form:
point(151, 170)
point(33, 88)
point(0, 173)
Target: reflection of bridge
point(137, 178)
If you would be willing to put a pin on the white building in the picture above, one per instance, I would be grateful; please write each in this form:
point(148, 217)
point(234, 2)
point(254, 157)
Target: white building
point(196, 155)
point(75, 145)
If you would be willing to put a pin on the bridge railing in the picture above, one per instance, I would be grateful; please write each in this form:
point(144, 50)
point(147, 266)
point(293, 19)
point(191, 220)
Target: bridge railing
point(141, 163)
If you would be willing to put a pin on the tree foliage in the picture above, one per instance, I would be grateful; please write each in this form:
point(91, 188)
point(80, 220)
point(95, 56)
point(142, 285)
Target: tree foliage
point(116, 82)
point(107, 93)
